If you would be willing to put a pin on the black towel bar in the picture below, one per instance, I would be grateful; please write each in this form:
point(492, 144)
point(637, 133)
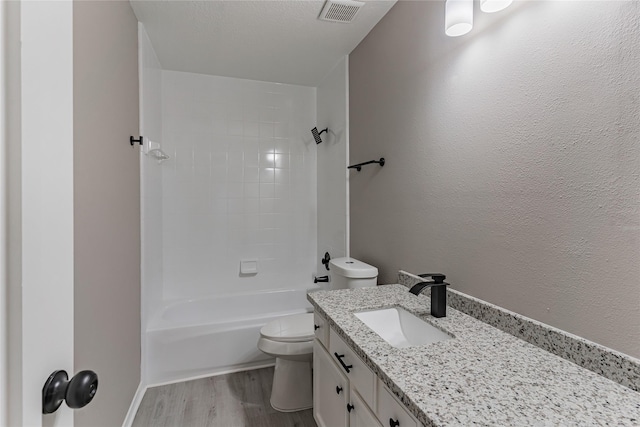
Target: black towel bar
point(358, 167)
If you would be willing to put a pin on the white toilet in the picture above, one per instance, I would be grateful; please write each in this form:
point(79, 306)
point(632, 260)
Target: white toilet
point(290, 340)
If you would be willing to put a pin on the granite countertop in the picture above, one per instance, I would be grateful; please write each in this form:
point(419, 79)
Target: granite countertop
point(483, 376)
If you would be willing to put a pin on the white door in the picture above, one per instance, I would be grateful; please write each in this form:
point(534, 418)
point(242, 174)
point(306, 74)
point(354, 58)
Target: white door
point(39, 107)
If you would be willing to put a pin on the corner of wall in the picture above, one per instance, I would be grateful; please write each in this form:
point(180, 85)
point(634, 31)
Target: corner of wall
point(332, 182)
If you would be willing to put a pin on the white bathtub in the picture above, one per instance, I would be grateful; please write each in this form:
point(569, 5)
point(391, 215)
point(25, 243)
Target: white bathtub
point(195, 338)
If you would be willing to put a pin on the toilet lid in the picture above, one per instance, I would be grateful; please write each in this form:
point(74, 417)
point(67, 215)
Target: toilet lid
point(296, 327)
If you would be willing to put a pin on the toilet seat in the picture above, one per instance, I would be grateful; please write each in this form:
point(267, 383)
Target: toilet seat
point(290, 329)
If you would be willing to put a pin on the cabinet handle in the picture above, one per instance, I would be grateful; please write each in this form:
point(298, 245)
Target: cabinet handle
point(346, 367)
point(338, 389)
point(349, 407)
point(393, 423)
point(316, 327)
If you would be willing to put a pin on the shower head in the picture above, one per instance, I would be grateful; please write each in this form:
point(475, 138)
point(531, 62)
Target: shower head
point(316, 134)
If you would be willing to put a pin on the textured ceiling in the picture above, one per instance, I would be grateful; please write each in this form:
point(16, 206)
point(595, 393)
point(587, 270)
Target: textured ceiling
point(275, 41)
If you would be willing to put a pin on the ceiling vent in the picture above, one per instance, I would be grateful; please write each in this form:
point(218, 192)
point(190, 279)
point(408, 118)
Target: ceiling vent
point(340, 10)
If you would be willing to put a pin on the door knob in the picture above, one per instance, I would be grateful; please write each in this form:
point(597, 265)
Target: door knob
point(78, 391)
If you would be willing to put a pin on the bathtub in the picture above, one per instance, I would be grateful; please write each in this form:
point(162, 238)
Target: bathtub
point(214, 335)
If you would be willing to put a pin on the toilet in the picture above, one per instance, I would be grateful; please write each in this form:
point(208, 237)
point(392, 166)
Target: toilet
point(290, 340)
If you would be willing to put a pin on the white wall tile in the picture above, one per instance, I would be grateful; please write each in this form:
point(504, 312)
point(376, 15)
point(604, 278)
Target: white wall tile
point(227, 191)
point(251, 190)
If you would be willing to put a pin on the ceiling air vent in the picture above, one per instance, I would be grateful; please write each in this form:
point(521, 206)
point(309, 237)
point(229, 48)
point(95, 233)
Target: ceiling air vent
point(340, 10)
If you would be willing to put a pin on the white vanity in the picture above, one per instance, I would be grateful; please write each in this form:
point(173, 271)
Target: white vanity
point(346, 393)
point(373, 367)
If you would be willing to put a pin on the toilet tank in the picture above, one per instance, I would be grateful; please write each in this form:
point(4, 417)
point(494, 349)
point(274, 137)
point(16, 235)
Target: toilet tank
point(349, 273)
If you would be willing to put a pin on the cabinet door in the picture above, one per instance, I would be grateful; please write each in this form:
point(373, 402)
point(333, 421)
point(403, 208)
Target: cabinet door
point(361, 415)
point(330, 391)
point(391, 411)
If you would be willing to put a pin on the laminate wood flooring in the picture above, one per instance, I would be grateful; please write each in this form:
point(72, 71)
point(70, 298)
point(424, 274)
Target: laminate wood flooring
point(234, 400)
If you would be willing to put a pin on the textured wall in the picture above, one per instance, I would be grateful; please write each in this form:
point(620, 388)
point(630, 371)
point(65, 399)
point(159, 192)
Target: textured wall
point(513, 159)
point(106, 179)
point(332, 164)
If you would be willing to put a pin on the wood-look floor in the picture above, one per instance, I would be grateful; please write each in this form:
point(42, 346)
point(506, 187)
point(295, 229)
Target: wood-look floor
point(234, 400)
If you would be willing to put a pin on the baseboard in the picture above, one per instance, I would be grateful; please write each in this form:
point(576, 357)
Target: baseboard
point(214, 373)
point(135, 404)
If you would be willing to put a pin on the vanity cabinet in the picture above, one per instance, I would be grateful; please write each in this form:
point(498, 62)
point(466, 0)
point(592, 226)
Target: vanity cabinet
point(346, 393)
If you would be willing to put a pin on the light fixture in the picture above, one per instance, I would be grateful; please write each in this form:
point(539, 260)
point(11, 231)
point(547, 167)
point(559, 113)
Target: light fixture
point(490, 6)
point(458, 17)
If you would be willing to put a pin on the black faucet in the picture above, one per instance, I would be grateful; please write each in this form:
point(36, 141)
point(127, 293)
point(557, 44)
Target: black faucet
point(438, 292)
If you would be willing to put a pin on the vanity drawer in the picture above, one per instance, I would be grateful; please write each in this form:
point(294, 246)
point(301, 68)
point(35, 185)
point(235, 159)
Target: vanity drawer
point(321, 329)
point(391, 410)
point(360, 376)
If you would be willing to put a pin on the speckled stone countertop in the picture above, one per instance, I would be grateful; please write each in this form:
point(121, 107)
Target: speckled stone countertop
point(483, 376)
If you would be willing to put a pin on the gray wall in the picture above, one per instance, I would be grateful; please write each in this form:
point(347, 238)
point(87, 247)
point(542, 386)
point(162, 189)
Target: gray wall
point(513, 159)
point(106, 206)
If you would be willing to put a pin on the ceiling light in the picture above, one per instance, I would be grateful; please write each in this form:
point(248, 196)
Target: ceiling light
point(491, 6)
point(458, 17)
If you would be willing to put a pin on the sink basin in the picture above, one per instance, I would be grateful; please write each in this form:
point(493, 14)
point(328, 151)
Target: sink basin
point(400, 328)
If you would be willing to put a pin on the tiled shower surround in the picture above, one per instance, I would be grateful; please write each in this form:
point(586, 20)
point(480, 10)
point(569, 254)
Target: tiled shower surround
point(240, 184)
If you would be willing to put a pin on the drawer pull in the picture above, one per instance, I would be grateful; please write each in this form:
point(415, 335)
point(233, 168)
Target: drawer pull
point(338, 389)
point(393, 423)
point(346, 367)
point(316, 327)
point(349, 407)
